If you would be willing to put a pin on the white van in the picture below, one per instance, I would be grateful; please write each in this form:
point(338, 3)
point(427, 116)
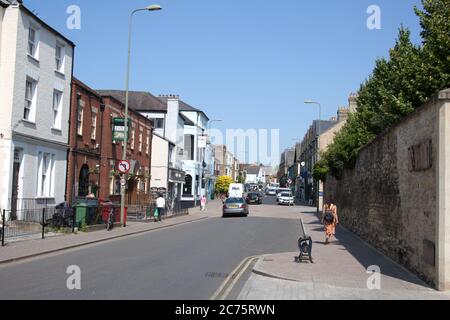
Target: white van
point(236, 190)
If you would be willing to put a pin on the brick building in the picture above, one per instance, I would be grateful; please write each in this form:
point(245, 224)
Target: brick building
point(93, 154)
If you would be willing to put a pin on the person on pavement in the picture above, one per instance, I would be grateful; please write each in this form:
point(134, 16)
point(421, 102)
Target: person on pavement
point(160, 205)
point(330, 221)
point(203, 203)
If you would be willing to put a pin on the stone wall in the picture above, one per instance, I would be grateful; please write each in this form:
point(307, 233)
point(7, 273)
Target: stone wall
point(390, 200)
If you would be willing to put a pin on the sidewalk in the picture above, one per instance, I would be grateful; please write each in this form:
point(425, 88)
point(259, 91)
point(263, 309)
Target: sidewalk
point(31, 248)
point(339, 272)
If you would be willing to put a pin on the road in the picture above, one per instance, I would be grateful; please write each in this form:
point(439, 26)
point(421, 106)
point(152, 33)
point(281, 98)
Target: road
point(186, 262)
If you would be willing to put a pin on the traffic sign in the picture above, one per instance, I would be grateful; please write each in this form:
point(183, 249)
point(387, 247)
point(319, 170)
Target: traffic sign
point(123, 182)
point(124, 166)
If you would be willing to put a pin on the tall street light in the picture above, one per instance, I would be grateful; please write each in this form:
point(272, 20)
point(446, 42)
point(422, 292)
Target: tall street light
point(318, 146)
point(153, 7)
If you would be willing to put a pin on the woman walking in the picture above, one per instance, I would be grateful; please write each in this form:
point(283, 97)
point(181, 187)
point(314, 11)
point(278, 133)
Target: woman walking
point(329, 220)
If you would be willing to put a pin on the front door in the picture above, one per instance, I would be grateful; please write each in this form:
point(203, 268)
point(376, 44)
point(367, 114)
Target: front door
point(15, 187)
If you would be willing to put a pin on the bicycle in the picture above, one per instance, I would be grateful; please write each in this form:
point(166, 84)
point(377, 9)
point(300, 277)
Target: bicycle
point(110, 221)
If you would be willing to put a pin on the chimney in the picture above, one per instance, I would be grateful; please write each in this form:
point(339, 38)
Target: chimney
point(353, 102)
point(342, 114)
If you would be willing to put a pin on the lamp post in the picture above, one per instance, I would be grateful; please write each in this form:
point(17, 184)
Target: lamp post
point(318, 146)
point(153, 7)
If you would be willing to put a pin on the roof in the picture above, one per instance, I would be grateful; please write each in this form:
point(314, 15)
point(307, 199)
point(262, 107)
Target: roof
point(22, 6)
point(186, 120)
point(185, 107)
point(325, 125)
point(137, 100)
point(253, 170)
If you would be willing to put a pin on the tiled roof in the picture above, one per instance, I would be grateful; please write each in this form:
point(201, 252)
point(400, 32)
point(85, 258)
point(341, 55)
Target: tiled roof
point(137, 100)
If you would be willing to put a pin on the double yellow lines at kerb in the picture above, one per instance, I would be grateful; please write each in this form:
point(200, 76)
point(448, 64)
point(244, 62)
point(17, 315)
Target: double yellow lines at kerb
point(229, 283)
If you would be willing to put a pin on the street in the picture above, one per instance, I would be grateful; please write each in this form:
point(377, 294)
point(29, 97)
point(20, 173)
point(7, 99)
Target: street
point(185, 262)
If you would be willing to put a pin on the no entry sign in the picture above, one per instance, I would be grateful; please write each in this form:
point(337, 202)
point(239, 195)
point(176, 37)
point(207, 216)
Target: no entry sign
point(123, 166)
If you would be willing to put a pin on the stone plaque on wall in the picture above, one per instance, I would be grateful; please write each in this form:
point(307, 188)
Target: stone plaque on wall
point(420, 156)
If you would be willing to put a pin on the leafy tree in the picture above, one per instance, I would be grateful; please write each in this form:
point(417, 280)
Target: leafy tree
point(320, 170)
point(222, 184)
point(397, 86)
point(240, 179)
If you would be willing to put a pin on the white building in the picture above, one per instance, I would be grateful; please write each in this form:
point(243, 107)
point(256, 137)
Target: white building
point(194, 164)
point(255, 174)
point(35, 78)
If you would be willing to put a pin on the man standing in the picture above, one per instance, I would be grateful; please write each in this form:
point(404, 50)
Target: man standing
point(160, 206)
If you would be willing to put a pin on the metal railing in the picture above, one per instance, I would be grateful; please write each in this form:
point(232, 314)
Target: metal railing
point(33, 223)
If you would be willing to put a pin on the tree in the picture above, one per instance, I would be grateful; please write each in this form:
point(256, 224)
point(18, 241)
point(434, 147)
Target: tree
point(240, 179)
point(397, 86)
point(222, 184)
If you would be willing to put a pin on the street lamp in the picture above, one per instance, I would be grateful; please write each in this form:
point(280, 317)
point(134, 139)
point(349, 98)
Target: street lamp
point(318, 146)
point(153, 7)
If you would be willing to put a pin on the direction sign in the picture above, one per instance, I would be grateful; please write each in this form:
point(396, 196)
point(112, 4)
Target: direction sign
point(124, 166)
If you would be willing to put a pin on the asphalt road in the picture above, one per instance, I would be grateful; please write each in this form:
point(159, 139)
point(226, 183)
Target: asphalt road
point(186, 262)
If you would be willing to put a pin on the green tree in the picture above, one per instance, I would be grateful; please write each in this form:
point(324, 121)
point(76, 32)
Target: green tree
point(397, 86)
point(240, 179)
point(222, 184)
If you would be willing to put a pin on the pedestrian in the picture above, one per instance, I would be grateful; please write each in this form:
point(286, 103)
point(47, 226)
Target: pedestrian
point(160, 207)
point(203, 203)
point(330, 221)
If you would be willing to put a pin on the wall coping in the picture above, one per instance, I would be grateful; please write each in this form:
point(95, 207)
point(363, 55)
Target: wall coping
point(441, 95)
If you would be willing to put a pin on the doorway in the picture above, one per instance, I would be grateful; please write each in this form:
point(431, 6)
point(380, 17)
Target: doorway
point(15, 184)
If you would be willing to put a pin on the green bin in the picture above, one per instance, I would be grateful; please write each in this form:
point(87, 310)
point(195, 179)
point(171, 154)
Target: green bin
point(81, 211)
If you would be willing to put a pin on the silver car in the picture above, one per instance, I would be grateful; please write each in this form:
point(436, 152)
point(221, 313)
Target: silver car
point(235, 206)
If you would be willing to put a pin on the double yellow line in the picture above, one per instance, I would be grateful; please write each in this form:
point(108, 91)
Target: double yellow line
point(228, 284)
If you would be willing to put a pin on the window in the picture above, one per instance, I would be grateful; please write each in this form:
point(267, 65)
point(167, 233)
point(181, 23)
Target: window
point(159, 123)
point(59, 57)
point(147, 144)
point(46, 174)
point(32, 41)
point(80, 117)
point(94, 124)
point(140, 140)
point(133, 135)
point(30, 91)
point(57, 98)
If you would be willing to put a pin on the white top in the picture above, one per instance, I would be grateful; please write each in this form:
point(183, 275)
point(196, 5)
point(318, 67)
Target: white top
point(160, 202)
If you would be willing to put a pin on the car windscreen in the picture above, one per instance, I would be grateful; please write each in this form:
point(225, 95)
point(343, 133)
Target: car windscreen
point(285, 194)
point(252, 195)
point(234, 200)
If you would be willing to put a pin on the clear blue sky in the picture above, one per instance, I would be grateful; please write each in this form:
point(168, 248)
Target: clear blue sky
point(251, 63)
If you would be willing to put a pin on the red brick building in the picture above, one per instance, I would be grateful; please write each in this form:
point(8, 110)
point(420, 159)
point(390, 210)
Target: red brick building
point(93, 154)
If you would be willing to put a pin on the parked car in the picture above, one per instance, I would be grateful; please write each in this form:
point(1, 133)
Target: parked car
point(271, 192)
point(286, 198)
point(281, 190)
point(254, 197)
point(235, 206)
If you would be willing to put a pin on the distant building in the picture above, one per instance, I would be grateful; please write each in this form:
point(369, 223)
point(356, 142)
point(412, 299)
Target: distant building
point(306, 153)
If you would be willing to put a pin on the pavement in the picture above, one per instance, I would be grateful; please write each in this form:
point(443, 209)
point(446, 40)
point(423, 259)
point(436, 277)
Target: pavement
point(29, 248)
point(339, 271)
point(186, 260)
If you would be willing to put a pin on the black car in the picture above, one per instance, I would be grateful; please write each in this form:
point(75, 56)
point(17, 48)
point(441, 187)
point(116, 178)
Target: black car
point(254, 197)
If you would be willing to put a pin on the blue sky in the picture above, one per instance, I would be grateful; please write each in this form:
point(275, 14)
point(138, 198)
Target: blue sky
point(250, 63)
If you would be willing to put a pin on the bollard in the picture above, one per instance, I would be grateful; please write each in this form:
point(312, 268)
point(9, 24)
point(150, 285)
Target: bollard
point(73, 219)
point(43, 222)
point(3, 227)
